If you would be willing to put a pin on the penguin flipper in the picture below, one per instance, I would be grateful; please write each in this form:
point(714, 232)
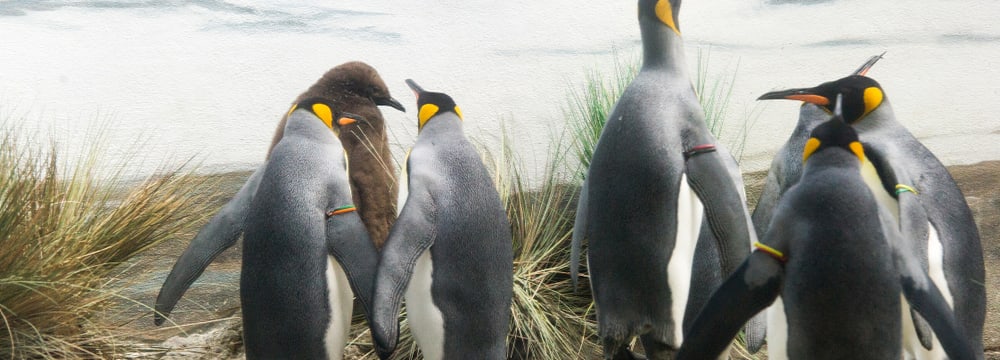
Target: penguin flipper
point(926, 298)
point(924, 332)
point(579, 231)
point(768, 199)
point(913, 222)
point(756, 333)
point(348, 241)
point(725, 205)
point(750, 289)
point(411, 235)
point(219, 234)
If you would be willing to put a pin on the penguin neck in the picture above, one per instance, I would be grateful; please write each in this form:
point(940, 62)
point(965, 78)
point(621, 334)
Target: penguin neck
point(882, 118)
point(444, 123)
point(832, 158)
point(304, 124)
point(662, 48)
point(810, 116)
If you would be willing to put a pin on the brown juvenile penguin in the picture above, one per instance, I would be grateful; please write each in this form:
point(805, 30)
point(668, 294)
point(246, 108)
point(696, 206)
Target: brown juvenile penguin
point(355, 87)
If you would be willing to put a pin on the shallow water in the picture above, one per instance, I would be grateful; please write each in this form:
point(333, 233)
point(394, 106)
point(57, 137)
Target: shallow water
point(209, 79)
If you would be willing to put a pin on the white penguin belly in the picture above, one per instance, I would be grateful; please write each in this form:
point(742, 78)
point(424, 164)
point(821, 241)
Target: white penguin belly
point(426, 321)
point(911, 344)
point(690, 211)
point(777, 331)
point(341, 300)
point(935, 253)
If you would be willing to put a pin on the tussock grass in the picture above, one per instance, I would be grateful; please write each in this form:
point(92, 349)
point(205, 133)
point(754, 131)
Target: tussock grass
point(549, 320)
point(588, 109)
point(63, 232)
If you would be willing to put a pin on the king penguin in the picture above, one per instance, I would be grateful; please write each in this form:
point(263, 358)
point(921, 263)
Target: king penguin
point(838, 260)
point(784, 172)
point(306, 252)
point(655, 175)
point(450, 252)
point(353, 87)
point(950, 247)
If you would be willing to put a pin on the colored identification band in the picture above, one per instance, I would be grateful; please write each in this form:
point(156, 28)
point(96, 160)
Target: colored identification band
point(700, 149)
point(341, 210)
point(771, 251)
point(900, 188)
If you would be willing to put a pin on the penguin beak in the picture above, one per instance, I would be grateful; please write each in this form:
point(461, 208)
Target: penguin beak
point(395, 104)
point(413, 86)
point(797, 94)
point(868, 64)
point(344, 121)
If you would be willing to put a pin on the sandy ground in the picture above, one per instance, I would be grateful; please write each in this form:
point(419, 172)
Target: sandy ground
point(211, 306)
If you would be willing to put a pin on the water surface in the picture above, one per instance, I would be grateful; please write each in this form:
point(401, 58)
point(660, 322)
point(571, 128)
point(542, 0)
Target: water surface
point(209, 79)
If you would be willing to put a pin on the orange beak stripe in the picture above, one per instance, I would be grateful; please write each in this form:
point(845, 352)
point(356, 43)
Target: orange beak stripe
point(346, 121)
point(809, 98)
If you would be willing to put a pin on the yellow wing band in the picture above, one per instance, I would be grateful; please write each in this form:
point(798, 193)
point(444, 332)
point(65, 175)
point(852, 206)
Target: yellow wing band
point(771, 251)
point(900, 188)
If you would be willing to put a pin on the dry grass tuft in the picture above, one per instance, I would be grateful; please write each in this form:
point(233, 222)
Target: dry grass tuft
point(61, 236)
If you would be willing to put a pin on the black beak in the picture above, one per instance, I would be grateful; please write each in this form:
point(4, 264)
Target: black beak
point(413, 86)
point(390, 102)
point(807, 95)
point(868, 64)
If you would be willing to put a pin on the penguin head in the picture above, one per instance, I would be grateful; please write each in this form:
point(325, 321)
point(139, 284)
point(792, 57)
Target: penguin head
point(324, 110)
point(862, 95)
point(355, 79)
point(431, 104)
point(661, 11)
point(834, 133)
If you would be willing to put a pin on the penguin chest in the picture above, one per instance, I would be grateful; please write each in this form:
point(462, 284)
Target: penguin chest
point(341, 300)
point(911, 344)
point(777, 331)
point(690, 211)
point(874, 183)
point(425, 318)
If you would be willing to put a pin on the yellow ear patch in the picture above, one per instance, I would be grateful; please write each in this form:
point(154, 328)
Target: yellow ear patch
point(858, 150)
point(810, 148)
point(873, 98)
point(666, 14)
point(459, 112)
point(294, 106)
point(426, 112)
point(324, 113)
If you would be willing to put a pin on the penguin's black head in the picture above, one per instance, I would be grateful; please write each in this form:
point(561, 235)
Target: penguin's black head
point(862, 95)
point(324, 110)
point(834, 133)
point(430, 104)
point(662, 11)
